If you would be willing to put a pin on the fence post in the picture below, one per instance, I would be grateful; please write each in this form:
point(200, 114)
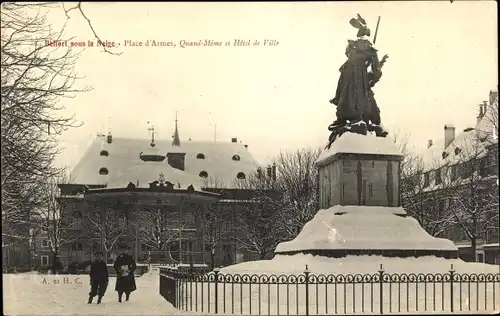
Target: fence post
point(381, 275)
point(306, 272)
point(216, 272)
point(452, 272)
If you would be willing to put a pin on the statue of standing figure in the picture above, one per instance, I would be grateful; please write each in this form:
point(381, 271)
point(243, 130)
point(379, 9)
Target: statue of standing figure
point(357, 110)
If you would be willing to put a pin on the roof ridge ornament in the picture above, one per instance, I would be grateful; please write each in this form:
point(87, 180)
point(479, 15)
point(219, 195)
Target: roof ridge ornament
point(176, 139)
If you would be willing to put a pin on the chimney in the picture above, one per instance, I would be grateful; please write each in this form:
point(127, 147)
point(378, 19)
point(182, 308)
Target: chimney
point(429, 143)
point(485, 106)
point(481, 113)
point(449, 135)
point(109, 138)
point(259, 173)
point(234, 140)
point(274, 172)
point(176, 160)
point(493, 97)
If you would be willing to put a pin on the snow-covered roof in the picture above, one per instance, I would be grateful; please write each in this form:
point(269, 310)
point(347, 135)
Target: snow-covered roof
point(352, 143)
point(471, 142)
point(222, 161)
point(142, 173)
point(363, 228)
point(467, 141)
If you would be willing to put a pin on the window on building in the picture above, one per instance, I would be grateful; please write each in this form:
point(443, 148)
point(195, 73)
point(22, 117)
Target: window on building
point(103, 171)
point(483, 170)
point(145, 247)
point(176, 163)
point(438, 176)
point(236, 158)
point(203, 174)
point(45, 261)
point(76, 246)
point(467, 169)
point(426, 179)
point(104, 153)
point(200, 156)
point(454, 173)
point(241, 175)
point(45, 243)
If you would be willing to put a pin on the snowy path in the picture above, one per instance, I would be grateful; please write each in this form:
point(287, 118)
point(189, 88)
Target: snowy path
point(33, 294)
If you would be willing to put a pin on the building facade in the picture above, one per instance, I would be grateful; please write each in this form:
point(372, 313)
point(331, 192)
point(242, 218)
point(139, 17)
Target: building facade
point(156, 197)
point(453, 187)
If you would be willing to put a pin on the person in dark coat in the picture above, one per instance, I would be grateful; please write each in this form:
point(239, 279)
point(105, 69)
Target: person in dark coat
point(125, 280)
point(99, 278)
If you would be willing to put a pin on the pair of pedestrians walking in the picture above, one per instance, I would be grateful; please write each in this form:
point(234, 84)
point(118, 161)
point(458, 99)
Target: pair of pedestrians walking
point(99, 278)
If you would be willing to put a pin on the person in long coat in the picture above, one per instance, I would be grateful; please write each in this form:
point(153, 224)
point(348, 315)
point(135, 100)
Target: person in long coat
point(125, 280)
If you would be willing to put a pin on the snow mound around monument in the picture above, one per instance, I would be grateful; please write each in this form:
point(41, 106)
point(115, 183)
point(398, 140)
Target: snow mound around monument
point(296, 264)
point(364, 228)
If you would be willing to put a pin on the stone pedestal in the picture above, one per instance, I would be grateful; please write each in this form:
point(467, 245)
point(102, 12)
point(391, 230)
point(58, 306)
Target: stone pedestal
point(359, 179)
point(360, 170)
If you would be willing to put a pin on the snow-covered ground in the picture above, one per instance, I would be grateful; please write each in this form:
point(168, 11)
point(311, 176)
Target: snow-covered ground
point(282, 264)
point(36, 294)
point(270, 298)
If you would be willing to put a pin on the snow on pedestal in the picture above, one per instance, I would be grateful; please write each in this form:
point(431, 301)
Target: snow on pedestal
point(359, 229)
point(351, 143)
point(361, 213)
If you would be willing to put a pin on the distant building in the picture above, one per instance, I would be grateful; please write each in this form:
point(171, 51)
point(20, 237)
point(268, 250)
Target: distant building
point(463, 164)
point(154, 195)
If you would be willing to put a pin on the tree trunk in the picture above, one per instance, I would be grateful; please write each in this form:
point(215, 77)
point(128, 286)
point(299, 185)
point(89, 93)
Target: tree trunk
point(473, 248)
point(53, 268)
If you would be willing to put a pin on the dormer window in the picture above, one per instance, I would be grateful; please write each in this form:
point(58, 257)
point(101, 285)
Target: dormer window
point(200, 156)
point(444, 155)
point(104, 153)
point(103, 171)
point(241, 175)
point(457, 150)
point(203, 174)
point(236, 158)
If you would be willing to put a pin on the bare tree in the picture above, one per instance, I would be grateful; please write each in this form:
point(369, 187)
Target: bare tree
point(156, 228)
point(425, 202)
point(258, 220)
point(55, 218)
point(297, 180)
point(34, 78)
point(108, 225)
point(258, 226)
point(213, 234)
point(474, 193)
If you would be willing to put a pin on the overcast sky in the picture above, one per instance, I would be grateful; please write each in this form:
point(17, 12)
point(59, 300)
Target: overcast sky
point(443, 62)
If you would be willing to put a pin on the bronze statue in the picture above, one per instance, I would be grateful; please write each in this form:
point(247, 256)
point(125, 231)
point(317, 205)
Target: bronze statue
point(357, 110)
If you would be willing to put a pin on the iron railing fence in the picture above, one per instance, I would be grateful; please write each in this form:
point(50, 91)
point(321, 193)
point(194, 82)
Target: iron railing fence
point(333, 294)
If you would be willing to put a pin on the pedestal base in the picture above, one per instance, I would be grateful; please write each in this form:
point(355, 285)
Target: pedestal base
point(366, 230)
